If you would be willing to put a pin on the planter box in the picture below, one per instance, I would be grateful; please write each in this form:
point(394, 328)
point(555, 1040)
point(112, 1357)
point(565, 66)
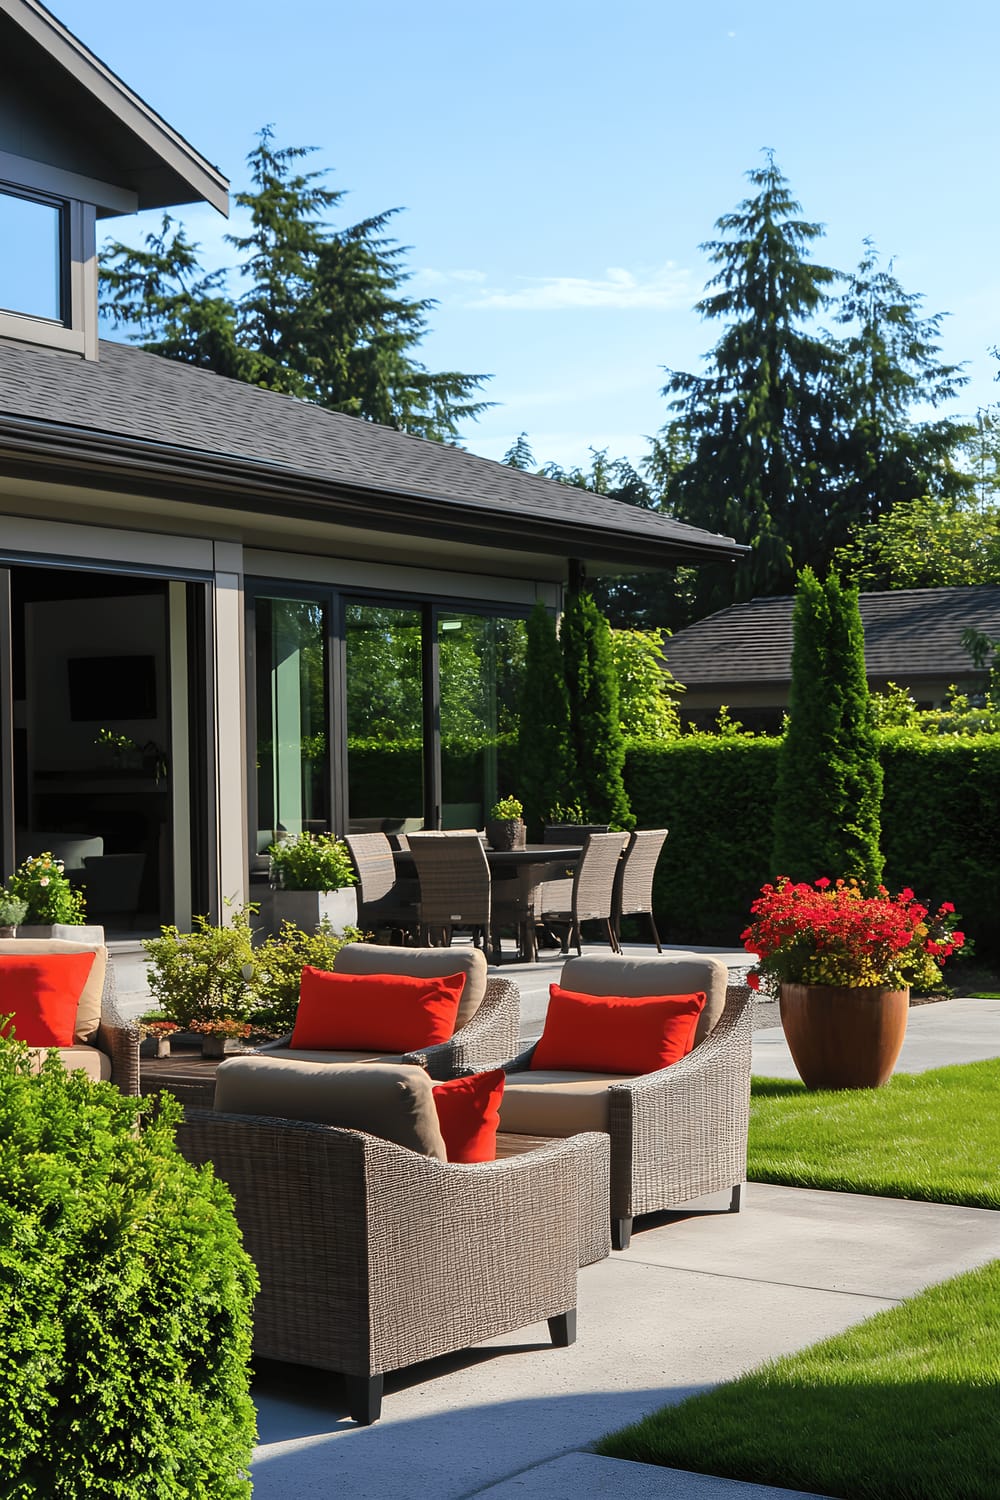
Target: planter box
point(66, 934)
point(307, 909)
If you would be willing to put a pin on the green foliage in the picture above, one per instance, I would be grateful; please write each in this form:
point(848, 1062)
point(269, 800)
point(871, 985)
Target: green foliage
point(923, 543)
point(12, 909)
point(311, 862)
point(280, 960)
point(645, 685)
point(205, 974)
point(508, 809)
point(41, 883)
point(545, 761)
point(324, 317)
point(125, 1292)
point(826, 820)
point(595, 720)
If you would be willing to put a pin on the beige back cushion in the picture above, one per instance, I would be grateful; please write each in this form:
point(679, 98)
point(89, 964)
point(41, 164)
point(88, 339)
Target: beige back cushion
point(434, 963)
point(681, 974)
point(88, 1014)
point(394, 1101)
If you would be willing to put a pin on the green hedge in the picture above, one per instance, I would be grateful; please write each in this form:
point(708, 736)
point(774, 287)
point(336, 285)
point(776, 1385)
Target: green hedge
point(940, 827)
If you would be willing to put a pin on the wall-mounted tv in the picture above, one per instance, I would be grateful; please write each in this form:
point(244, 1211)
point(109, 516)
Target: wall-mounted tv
point(105, 688)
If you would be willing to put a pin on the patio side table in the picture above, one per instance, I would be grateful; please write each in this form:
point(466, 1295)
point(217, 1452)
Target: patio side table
point(185, 1074)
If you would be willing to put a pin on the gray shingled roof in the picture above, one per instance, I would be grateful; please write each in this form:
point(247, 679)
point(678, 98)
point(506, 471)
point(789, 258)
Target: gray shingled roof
point(908, 633)
point(134, 406)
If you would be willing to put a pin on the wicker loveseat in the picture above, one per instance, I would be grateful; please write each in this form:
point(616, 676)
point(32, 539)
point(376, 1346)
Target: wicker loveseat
point(105, 1046)
point(486, 1030)
point(676, 1133)
point(374, 1254)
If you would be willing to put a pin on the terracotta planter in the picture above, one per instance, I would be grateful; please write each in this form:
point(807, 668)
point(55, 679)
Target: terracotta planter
point(842, 1038)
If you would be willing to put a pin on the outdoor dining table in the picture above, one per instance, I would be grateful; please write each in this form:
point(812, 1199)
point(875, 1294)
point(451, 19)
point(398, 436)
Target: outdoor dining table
point(529, 866)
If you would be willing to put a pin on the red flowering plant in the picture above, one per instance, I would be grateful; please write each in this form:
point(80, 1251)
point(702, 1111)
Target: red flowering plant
point(835, 932)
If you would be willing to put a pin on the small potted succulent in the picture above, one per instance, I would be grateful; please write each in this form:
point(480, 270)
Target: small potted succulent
point(505, 824)
point(312, 881)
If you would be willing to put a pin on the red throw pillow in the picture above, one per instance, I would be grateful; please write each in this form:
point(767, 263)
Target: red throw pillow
point(374, 1012)
point(42, 992)
point(616, 1033)
point(469, 1115)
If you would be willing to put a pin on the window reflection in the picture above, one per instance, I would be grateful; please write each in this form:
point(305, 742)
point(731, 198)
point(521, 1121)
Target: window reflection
point(385, 749)
point(292, 743)
point(481, 666)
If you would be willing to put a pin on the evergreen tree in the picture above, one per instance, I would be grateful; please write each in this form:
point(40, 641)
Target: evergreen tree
point(759, 423)
point(829, 790)
point(325, 316)
point(546, 769)
point(890, 364)
point(595, 722)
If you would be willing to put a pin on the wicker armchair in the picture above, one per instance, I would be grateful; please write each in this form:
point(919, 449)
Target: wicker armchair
point(372, 1257)
point(488, 1023)
point(677, 1133)
point(105, 1045)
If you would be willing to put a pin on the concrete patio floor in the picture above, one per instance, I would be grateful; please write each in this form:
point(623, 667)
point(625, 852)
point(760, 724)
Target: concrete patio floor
point(698, 1297)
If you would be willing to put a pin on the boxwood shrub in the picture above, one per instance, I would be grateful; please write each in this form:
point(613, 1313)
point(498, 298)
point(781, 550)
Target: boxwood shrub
point(125, 1301)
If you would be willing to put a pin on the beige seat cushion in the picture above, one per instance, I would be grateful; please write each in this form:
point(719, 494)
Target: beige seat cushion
point(96, 1064)
point(435, 963)
point(88, 1015)
point(544, 1103)
point(395, 1102)
point(680, 974)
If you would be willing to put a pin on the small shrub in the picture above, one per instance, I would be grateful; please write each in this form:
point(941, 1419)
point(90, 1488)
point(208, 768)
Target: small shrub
point(125, 1296)
point(42, 884)
point(280, 961)
point(508, 809)
point(205, 974)
point(311, 862)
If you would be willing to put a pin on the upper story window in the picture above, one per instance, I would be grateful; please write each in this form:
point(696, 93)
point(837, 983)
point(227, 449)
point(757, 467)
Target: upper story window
point(32, 256)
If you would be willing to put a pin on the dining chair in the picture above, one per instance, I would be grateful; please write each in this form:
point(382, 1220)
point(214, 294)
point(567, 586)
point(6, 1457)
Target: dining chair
point(383, 899)
point(633, 892)
point(588, 894)
point(455, 886)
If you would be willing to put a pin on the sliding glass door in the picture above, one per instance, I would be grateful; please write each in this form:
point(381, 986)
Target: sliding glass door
point(384, 672)
point(292, 717)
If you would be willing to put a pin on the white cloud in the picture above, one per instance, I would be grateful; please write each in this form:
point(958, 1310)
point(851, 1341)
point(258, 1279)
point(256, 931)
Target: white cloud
point(667, 287)
point(427, 276)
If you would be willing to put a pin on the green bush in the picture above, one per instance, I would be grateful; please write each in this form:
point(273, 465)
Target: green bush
point(311, 862)
point(546, 765)
point(125, 1297)
point(205, 974)
point(42, 885)
point(280, 960)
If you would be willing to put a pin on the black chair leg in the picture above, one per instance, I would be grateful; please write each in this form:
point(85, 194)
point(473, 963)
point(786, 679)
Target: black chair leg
point(364, 1398)
point(563, 1329)
point(656, 935)
point(621, 1233)
point(615, 945)
point(736, 1200)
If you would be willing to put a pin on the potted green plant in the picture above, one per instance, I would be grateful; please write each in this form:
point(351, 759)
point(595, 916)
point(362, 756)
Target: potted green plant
point(216, 1033)
point(843, 960)
point(54, 908)
point(312, 881)
point(203, 975)
point(12, 912)
point(155, 1034)
point(505, 824)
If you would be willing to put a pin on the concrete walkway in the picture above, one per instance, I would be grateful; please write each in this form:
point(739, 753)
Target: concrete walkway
point(698, 1298)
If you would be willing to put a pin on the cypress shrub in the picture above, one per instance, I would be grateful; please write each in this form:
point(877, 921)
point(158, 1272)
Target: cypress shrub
point(125, 1295)
point(545, 764)
point(829, 788)
point(595, 721)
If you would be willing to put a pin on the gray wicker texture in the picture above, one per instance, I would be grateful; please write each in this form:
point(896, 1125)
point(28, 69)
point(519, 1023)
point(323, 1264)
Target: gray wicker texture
point(588, 896)
point(118, 1037)
point(455, 885)
point(633, 894)
point(372, 1257)
point(681, 1132)
point(383, 899)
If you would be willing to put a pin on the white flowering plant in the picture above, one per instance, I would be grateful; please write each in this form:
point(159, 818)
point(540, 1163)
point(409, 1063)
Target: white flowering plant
point(42, 883)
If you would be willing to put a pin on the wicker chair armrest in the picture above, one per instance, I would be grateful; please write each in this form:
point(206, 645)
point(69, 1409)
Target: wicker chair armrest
point(276, 1044)
point(488, 1038)
point(117, 1037)
point(522, 1060)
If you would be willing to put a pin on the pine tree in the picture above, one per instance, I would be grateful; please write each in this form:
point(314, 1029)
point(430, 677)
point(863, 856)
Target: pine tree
point(545, 764)
point(759, 423)
point(829, 791)
point(325, 315)
point(595, 722)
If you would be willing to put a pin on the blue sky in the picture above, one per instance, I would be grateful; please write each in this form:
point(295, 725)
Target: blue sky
point(559, 165)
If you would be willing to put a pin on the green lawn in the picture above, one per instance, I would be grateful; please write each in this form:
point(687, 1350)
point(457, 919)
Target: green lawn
point(931, 1135)
point(906, 1406)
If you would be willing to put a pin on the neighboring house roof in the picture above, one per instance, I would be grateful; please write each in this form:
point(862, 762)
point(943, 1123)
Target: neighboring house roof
point(66, 80)
point(909, 634)
point(137, 422)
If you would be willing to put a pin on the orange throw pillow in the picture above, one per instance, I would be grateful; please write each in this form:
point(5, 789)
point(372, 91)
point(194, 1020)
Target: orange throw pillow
point(469, 1115)
point(374, 1012)
point(616, 1033)
point(41, 991)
